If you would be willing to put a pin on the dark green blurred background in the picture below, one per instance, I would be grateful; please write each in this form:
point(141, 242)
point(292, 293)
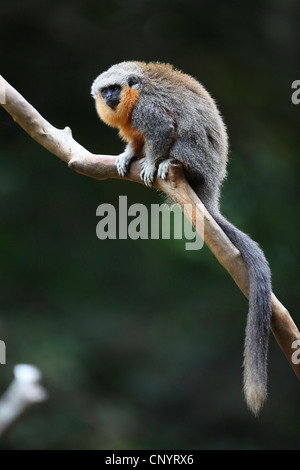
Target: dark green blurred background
point(140, 342)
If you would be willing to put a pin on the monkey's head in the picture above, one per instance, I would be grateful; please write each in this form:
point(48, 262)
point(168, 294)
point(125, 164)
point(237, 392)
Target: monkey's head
point(116, 92)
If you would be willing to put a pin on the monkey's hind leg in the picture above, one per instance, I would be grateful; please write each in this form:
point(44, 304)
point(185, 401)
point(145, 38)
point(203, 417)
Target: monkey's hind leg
point(163, 168)
point(148, 170)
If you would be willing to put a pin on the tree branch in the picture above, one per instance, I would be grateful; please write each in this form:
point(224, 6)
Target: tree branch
point(24, 393)
point(101, 167)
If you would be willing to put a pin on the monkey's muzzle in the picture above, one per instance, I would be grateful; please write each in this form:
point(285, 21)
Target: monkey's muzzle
point(112, 101)
point(111, 95)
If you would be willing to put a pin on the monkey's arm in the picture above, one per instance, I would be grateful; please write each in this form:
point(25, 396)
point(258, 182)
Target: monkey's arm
point(157, 126)
point(124, 160)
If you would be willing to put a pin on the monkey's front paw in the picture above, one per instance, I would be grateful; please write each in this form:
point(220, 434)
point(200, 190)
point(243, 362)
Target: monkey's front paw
point(163, 168)
point(148, 172)
point(123, 163)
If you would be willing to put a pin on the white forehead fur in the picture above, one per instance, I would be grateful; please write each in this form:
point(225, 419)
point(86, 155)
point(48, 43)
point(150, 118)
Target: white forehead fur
point(116, 75)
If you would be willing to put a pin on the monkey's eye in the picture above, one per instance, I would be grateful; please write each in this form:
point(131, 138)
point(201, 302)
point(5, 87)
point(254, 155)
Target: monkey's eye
point(132, 80)
point(115, 88)
point(104, 91)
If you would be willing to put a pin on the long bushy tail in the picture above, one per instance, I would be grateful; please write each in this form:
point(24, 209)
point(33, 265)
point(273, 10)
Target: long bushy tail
point(259, 315)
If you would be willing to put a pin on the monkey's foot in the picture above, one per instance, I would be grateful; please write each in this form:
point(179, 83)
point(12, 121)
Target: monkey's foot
point(123, 163)
point(148, 171)
point(163, 168)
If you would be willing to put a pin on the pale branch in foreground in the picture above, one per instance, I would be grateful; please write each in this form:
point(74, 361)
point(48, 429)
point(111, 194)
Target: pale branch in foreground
point(101, 167)
point(23, 394)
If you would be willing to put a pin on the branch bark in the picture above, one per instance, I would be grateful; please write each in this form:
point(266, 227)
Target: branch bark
point(101, 167)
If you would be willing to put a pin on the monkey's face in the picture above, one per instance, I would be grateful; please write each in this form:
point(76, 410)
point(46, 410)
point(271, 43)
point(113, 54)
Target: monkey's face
point(111, 95)
point(116, 92)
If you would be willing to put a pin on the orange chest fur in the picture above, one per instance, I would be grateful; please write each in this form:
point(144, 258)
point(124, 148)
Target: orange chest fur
point(121, 117)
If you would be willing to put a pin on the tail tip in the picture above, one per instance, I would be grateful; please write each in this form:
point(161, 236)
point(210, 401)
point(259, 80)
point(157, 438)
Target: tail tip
point(255, 398)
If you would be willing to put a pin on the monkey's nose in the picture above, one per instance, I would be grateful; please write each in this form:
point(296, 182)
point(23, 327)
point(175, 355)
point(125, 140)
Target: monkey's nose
point(112, 101)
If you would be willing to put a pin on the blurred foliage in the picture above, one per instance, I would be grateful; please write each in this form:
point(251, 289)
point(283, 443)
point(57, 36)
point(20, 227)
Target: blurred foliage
point(140, 342)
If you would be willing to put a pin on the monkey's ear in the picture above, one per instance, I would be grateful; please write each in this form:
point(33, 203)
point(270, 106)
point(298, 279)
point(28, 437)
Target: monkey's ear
point(132, 80)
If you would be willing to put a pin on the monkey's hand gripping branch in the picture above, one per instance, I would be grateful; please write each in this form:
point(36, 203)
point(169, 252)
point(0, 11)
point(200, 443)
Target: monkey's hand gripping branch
point(101, 167)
